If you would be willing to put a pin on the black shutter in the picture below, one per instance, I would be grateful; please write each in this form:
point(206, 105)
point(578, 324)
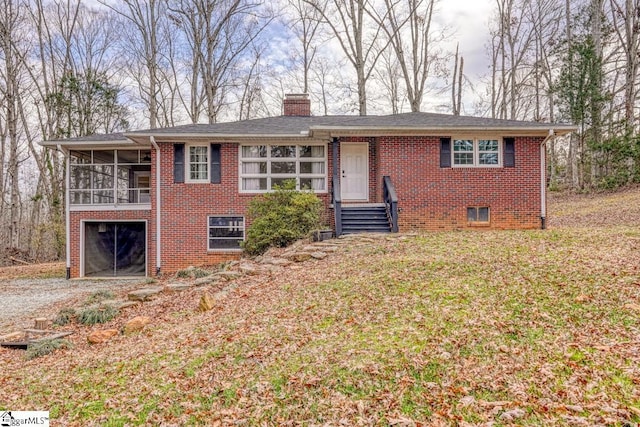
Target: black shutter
point(445, 152)
point(509, 152)
point(178, 162)
point(215, 164)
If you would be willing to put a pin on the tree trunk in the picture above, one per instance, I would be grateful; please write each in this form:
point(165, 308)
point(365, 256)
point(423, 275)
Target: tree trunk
point(571, 155)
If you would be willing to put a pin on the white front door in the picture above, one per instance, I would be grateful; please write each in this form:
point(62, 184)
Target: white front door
point(354, 165)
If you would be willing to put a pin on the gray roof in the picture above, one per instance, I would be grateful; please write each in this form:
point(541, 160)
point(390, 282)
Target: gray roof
point(280, 125)
point(322, 126)
point(294, 125)
point(100, 137)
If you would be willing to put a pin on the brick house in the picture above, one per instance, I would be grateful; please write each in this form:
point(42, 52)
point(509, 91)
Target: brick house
point(158, 200)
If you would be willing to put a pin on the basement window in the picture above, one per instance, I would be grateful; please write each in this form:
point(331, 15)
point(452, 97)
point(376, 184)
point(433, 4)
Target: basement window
point(478, 215)
point(225, 232)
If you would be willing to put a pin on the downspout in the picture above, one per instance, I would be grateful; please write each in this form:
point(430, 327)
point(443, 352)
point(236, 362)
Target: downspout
point(543, 179)
point(336, 187)
point(158, 207)
point(67, 215)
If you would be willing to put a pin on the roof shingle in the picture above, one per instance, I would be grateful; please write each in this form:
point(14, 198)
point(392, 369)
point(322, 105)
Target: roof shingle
point(301, 125)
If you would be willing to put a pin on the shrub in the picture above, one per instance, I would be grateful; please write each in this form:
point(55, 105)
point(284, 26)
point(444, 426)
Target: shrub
point(93, 315)
point(281, 217)
point(44, 347)
point(64, 317)
point(99, 296)
point(192, 273)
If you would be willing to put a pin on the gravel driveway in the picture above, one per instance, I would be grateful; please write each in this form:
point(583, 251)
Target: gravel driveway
point(22, 300)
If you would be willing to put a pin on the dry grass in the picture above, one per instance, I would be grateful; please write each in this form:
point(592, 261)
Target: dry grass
point(461, 328)
point(595, 209)
point(34, 271)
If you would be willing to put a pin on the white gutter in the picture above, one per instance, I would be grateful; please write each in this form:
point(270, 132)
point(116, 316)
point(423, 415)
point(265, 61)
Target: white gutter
point(211, 135)
point(543, 179)
point(158, 207)
point(88, 144)
point(433, 130)
point(67, 213)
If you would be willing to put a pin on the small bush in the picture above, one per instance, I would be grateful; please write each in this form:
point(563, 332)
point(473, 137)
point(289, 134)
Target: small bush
point(192, 273)
point(183, 274)
point(281, 217)
point(64, 317)
point(199, 272)
point(99, 296)
point(42, 348)
point(93, 315)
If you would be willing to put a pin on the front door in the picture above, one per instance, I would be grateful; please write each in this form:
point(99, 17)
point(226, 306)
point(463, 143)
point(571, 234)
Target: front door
point(354, 165)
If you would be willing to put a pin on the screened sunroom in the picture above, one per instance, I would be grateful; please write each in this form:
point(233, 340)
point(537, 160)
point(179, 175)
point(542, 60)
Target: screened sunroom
point(109, 177)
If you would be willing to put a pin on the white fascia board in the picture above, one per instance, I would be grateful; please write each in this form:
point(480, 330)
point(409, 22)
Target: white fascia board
point(161, 137)
point(89, 145)
point(336, 131)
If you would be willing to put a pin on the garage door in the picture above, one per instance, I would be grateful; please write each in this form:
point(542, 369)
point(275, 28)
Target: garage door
point(115, 249)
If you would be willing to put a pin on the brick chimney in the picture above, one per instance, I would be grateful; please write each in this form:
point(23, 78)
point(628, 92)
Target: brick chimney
point(296, 104)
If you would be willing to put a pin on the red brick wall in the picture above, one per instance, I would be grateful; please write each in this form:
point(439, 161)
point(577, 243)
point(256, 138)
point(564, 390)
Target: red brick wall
point(434, 198)
point(296, 105)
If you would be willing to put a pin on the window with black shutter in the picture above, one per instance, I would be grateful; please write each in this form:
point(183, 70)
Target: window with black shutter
point(445, 152)
point(178, 163)
point(216, 172)
point(509, 152)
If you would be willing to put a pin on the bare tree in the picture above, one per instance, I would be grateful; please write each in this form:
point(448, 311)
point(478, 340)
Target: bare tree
point(511, 64)
point(251, 103)
point(456, 84)
point(409, 28)
point(143, 43)
point(217, 34)
point(626, 24)
point(546, 20)
point(359, 39)
point(304, 23)
point(12, 32)
point(389, 76)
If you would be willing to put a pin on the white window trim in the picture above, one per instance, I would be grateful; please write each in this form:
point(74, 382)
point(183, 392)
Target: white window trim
point(297, 159)
point(187, 164)
point(244, 233)
point(476, 152)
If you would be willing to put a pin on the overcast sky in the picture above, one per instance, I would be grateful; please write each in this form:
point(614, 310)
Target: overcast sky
point(470, 20)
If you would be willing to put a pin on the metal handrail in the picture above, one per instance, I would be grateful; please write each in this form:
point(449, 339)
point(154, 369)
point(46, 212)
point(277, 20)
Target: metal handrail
point(336, 198)
point(391, 202)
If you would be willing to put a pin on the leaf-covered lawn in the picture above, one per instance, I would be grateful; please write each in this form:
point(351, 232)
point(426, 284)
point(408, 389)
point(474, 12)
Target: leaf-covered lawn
point(460, 328)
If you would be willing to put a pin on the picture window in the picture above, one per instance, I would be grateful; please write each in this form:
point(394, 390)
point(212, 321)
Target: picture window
point(263, 167)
